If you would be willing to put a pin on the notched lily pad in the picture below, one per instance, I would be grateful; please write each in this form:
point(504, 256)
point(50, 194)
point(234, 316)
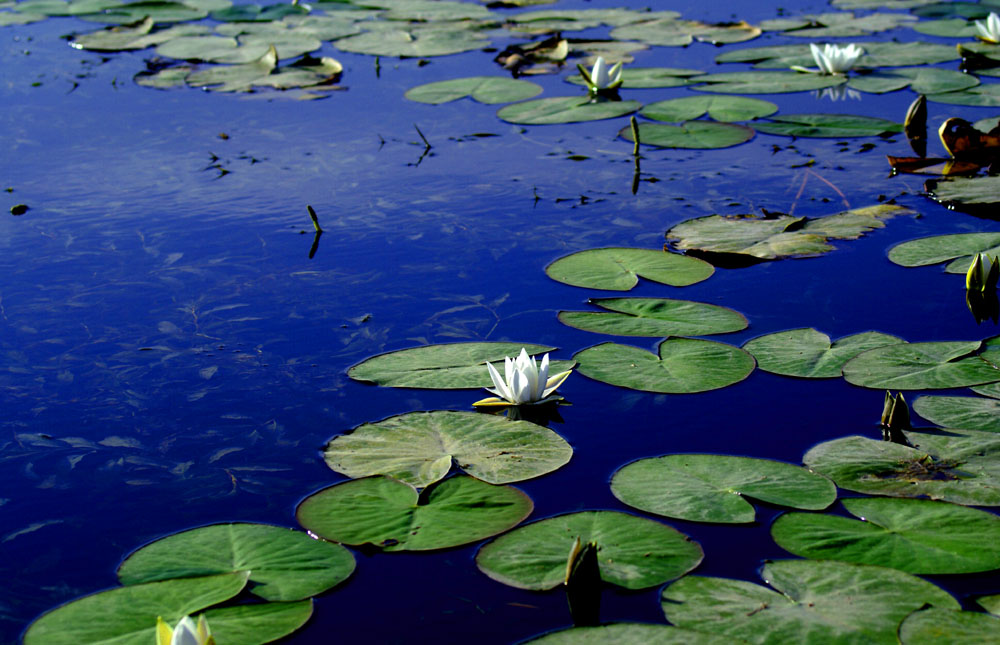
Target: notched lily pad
point(619, 269)
point(631, 634)
point(565, 109)
point(655, 317)
point(979, 194)
point(696, 135)
point(647, 77)
point(808, 353)
point(828, 125)
point(937, 625)
point(484, 89)
point(764, 82)
point(965, 412)
point(719, 108)
point(924, 366)
point(958, 248)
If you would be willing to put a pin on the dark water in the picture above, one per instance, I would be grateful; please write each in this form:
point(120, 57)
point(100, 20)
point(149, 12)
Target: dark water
point(171, 357)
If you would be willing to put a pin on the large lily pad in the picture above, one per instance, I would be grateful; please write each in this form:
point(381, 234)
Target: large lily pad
point(922, 80)
point(877, 54)
point(390, 514)
point(631, 634)
point(565, 109)
point(261, 13)
point(159, 11)
point(633, 552)
point(671, 32)
point(413, 43)
point(808, 353)
point(619, 269)
point(912, 535)
point(127, 615)
point(696, 135)
point(836, 24)
point(720, 108)
point(451, 366)
point(764, 82)
point(485, 89)
point(828, 125)
point(420, 447)
point(655, 317)
point(960, 466)
point(684, 366)
point(257, 623)
point(961, 248)
point(937, 625)
point(712, 488)
point(922, 366)
point(648, 77)
point(965, 412)
point(815, 603)
point(960, 192)
point(980, 95)
point(283, 564)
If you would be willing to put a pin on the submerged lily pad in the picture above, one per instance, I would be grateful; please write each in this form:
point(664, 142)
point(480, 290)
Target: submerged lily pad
point(684, 366)
point(390, 514)
point(936, 625)
point(922, 366)
point(965, 412)
point(632, 552)
point(764, 82)
point(283, 564)
point(719, 108)
point(619, 269)
point(565, 109)
point(815, 602)
point(420, 447)
point(631, 634)
point(712, 488)
point(828, 125)
point(808, 353)
point(696, 135)
point(957, 466)
point(485, 89)
point(655, 317)
point(450, 366)
point(912, 535)
point(961, 248)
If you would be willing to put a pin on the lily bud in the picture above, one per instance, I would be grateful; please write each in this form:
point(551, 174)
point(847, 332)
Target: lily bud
point(583, 583)
point(895, 418)
point(983, 273)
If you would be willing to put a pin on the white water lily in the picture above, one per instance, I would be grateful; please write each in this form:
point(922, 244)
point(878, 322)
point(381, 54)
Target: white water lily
point(834, 59)
point(983, 273)
point(600, 78)
point(524, 382)
point(184, 633)
point(989, 30)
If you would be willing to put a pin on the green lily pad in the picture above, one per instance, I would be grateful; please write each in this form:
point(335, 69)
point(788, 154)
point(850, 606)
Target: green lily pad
point(719, 108)
point(697, 135)
point(158, 11)
point(671, 32)
point(990, 603)
point(836, 24)
point(165, 78)
point(114, 38)
point(935, 625)
point(877, 54)
point(816, 603)
point(808, 353)
point(420, 447)
point(450, 366)
point(764, 82)
point(655, 317)
point(413, 43)
point(948, 28)
point(922, 80)
point(965, 412)
point(430, 10)
point(258, 623)
point(981, 95)
point(828, 125)
point(258, 13)
point(991, 390)
point(648, 77)
point(957, 466)
point(959, 248)
point(485, 89)
point(283, 564)
point(683, 366)
point(912, 535)
point(631, 634)
point(969, 192)
point(633, 552)
point(711, 488)
point(619, 269)
point(390, 514)
point(8, 18)
point(922, 366)
point(62, 8)
point(565, 109)
point(948, 9)
point(235, 78)
point(127, 615)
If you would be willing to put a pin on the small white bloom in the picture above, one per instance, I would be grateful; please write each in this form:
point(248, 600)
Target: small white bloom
point(834, 59)
point(989, 30)
point(601, 78)
point(524, 381)
point(185, 632)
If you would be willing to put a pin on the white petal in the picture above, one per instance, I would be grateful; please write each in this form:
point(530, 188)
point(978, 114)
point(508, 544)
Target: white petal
point(599, 73)
point(615, 75)
point(543, 377)
point(519, 389)
point(498, 383)
point(993, 22)
point(554, 382)
point(185, 633)
point(508, 370)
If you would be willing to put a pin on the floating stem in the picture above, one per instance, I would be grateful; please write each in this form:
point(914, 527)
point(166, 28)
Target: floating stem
point(635, 135)
point(427, 144)
point(315, 220)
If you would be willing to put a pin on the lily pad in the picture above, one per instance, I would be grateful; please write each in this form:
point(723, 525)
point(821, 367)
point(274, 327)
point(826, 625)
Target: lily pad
point(648, 77)
point(284, 565)
point(631, 634)
point(633, 552)
point(655, 317)
point(257, 623)
point(922, 80)
point(450, 366)
point(808, 353)
point(158, 11)
point(965, 412)
point(959, 248)
point(969, 192)
point(235, 78)
point(413, 43)
point(258, 13)
point(922, 366)
point(420, 447)
point(936, 625)
point(390, 514)
point(815, 603)
point(619, 269)
point(712, 488)
point(671, 32)
point(128, 614)
point(981, 95)
point(565, 109)
point(719, 108)
point(837, 24)
point(684, 366)
point(947, 27)
point(697, 135)
point(959, 466)
point(877, 54)
point(912, 535)
point(764, 82)
point(485, 89)
point(828, 125)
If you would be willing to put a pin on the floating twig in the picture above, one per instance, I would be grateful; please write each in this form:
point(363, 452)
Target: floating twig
point(427, 144)
point(635, 135)
point(315, 220)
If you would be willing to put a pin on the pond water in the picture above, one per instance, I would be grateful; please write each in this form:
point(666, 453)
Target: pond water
point(173, 356)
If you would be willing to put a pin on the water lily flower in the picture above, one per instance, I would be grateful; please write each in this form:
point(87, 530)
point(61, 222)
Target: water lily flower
point(184, 633)
point(983, 273)
point(600, 78)
point(989, 30)
point(524, 382)
point(833, 59)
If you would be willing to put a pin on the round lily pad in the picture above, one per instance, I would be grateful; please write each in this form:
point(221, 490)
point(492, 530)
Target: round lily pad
point(619, 269)
point(390, 514)
point(921, 366)
point(261, 13)
point(258, 623)
point(412, 43)
point(937, 625)
point(764, 82)
point(565, 109)
point(720, 108)
point(922, 80)
point(485, 89)
point(450, 366)
point(695, 135)
point(808, 353)
point(128, 614)
point(711, 488)
point(965, 191)
point(981, 95)
point(671, 32)
point(648, 77)
point(684, 366)
point(814, 602)
point(827, 125)
point(633, 552)
point(655, 317)
point(960, 247)
point(966, 412)
point(631, 634)
point(420, 447)
point(283, 564)
point(957, 466)
point(912, 535)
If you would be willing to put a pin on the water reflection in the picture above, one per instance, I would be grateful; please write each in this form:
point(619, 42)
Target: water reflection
point(837, 93)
